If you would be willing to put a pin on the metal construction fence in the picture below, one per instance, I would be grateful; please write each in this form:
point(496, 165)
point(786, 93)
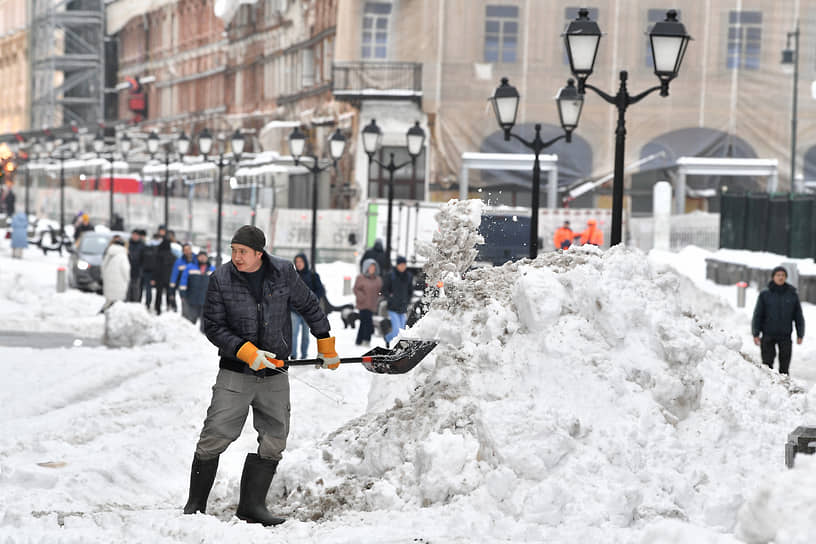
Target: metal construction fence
point(781, 223)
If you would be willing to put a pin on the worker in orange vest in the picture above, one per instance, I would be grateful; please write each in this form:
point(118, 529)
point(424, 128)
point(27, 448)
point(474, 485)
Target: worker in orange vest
point(563, 236)
point(592, 235)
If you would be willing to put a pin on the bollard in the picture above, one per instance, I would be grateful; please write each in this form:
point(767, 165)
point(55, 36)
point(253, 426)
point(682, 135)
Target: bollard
point(346, 285)
point(61, 279)
point(741, 293)
point(801, 440)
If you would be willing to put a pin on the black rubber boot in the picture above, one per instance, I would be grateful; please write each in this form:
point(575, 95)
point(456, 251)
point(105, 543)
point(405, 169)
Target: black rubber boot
point(202, 476)
point(255, 481)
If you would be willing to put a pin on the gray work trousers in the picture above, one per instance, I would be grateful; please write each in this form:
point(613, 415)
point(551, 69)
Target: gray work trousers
point(233, 394)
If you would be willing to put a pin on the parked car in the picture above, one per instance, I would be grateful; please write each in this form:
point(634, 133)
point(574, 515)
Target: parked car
point(85, 263)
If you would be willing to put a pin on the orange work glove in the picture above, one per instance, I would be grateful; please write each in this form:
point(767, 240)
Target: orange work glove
point(327, 353)
point(257, 358)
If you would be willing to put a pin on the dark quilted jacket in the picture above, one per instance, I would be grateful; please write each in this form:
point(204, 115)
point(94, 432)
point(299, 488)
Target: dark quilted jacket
point(232, 316)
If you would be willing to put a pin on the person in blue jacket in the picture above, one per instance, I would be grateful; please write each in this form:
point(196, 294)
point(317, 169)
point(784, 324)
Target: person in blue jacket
point(195, 279)
point(175, 276)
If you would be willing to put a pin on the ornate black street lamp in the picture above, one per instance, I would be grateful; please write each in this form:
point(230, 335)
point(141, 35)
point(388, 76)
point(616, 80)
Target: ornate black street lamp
point(99, 148)
point(62, 155)
point(505, 105)
point(791, 56)
point(205, 144)
point(668, 41)
point(297, 144)
point(372, 140)
point(182, 146)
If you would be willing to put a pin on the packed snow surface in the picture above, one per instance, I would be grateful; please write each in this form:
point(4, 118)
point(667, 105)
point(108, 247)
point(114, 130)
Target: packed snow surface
point(585, 396)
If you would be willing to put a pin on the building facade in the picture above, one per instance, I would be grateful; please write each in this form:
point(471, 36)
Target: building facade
point(14, 66)
point(732, 98)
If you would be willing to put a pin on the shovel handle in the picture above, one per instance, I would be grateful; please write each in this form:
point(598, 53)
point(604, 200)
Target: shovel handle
point(343, 360)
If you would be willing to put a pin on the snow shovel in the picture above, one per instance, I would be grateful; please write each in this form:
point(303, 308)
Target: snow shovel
point(400, 359)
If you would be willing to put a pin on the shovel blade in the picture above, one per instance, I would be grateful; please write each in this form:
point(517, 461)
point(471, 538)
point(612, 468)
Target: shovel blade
point(400, 359)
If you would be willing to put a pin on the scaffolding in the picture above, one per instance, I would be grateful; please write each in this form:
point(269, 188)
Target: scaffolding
point(67, 62)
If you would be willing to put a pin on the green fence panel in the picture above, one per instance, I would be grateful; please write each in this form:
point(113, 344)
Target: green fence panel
point(801, 226)
point(756, 221)
point(733, 209)
point(778, 237)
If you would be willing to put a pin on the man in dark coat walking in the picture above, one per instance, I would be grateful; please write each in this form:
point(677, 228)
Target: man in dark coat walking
point(776, 308)
point(135, 246)
point(246, 315)
point(377, 253)
point(162, 269)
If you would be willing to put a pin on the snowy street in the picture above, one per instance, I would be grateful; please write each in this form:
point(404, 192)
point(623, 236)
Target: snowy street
point(585, 397)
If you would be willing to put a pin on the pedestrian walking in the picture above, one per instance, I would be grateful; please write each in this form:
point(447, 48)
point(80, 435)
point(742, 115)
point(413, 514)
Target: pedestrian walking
point(193, 287)
point(19, 234)
point(7, 199)
point(134, 249)
point(299, 324)
point(563, 237)
point(367, 288)
point(148, 265)
point(592, 235)
point(398, 288)
point(163, 267)
point(777, 309)
point(178, 269)
point(246, 315)
point(115, 273)
point(377, 253)
point(84, 225)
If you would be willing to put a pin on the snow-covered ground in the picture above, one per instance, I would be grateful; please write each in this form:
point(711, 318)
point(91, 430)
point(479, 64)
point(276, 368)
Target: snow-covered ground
point(582, 397)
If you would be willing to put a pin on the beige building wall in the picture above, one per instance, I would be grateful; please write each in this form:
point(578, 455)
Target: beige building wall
point(14, 107)
point(448, 38)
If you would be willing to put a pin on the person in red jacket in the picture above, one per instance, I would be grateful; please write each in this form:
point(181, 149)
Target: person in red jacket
point(563, 236)
point(592, 235)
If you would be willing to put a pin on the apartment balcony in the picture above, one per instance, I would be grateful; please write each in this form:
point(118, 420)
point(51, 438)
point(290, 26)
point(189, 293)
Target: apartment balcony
point(356, 81)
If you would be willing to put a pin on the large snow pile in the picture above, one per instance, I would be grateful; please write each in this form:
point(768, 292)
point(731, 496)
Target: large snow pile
point(579, 392)
point(130, 324)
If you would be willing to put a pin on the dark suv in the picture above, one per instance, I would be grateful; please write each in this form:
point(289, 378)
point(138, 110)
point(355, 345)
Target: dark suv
point(85, 262)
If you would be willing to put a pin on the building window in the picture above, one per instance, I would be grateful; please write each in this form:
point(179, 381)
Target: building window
point(501, 33)
point(570, 14)
point(654, 16)
point(744, 39)
point(308, 67)
point(375, 30)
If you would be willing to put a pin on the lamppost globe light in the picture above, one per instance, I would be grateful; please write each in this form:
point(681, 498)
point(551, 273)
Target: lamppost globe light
point(124, 143)
point(99, 142)
point(297, 142)
point(570, 102)
point(415, 139)
point(73, 144)
point(153, 142)
point(237, 143)
point(669, 41)
point(182, 144)
point(505, 102)
point(372, 137)
point(337, 145)
point(50, 143)
point(581, 39)
point(205, 141)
